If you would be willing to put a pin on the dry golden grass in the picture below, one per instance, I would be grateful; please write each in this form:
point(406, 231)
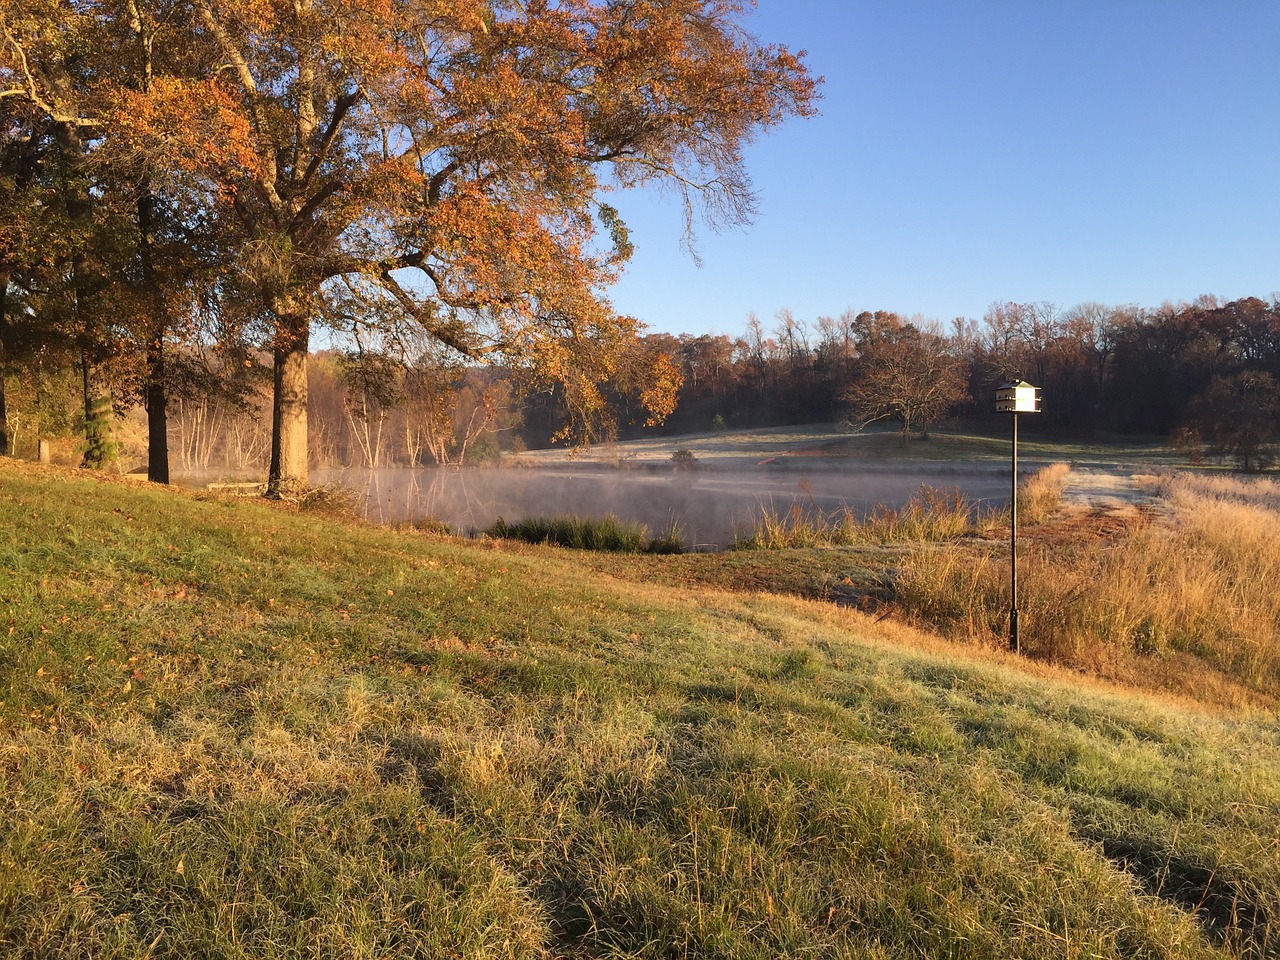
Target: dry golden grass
point(1187, 604)
point(1041, 493)
point(932, 513)
point(1258, 491)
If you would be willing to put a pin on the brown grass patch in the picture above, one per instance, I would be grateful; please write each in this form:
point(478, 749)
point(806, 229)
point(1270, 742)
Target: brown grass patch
point(1186, 603)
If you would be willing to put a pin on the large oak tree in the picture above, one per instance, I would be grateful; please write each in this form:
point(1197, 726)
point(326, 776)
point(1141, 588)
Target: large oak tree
point(443, 161)
point(446, 161)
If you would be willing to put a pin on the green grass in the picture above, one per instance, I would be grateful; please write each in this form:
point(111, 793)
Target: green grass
point(588, 533)
point(984, 441)
point(229, 730)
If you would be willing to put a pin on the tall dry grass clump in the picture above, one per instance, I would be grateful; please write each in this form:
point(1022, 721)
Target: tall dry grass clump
point(797, 527)
point(1202, 585)
point(932, 514)
point(1041, 493)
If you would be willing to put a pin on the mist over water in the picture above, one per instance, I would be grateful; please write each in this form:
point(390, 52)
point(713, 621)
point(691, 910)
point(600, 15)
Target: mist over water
point(705, 505)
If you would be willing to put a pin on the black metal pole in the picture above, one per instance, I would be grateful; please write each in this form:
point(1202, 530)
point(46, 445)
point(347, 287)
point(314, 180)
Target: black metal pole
point(1013, 545)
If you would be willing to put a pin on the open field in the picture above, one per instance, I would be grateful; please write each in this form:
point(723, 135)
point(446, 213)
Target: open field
point(837, 443)
point(232, 730)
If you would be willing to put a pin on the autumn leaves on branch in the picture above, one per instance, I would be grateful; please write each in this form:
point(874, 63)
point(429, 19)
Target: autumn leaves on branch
point(441, 163)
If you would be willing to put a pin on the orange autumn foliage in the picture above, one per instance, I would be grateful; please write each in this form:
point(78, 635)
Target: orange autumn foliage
point(447, 160)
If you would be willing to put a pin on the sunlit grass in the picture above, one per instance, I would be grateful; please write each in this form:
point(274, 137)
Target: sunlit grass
point(238, 731)
point(1189, 602)
point(931, 514)
point(1041, 493)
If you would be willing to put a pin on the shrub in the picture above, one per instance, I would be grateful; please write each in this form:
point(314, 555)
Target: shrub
point(483, 450)
point(684, 459)
point(332, 500)
point(432, 525)
point(670, 542)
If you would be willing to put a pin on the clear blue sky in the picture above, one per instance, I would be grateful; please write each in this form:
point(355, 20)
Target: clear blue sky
point(968, 151)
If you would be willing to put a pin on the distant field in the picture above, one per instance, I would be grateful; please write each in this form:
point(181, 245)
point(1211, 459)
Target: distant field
point(831, 440)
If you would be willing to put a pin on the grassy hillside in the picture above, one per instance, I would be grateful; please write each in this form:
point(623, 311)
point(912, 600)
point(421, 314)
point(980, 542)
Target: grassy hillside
point(228, 730)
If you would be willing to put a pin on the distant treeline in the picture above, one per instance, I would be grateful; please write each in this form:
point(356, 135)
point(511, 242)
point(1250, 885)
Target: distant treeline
point(1173, 370)
point(1203, 373)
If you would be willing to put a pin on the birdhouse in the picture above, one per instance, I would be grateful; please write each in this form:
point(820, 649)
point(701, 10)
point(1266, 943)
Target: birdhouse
point(1017, 397)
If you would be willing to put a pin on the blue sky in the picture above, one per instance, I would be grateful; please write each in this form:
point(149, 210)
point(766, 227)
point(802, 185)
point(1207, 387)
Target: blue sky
point(1123, 151)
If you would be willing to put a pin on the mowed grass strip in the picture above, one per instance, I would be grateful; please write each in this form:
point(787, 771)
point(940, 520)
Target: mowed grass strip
point(232, 731)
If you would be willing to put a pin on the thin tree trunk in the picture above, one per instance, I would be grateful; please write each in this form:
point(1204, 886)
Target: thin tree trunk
point(156, 326)
point(155, 397)
point(100, 448)
point(288, 473)
point(4, 328)
point(157, 415)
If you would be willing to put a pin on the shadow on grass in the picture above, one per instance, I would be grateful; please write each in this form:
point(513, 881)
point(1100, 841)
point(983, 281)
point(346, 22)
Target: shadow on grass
point(1227, 909)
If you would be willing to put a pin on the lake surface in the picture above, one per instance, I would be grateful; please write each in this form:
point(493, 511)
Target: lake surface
point(707, 505)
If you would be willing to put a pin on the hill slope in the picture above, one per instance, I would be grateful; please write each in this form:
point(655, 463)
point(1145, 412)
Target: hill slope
point(232, 731)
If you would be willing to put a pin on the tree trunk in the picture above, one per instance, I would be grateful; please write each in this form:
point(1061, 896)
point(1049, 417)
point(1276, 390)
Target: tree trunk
point(288, 474)
point(155, 398)
point(156, 401)
point(4, 322)
point(99, 441)
point(100, 449)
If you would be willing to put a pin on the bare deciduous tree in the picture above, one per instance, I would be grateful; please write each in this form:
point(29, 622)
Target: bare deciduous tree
point(902, 372)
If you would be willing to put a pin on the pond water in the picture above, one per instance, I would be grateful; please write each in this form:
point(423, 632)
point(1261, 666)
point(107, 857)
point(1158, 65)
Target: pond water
point(706, 505)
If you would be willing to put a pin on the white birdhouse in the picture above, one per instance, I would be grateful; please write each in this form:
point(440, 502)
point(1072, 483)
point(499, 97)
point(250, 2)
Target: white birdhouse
point(1017, 397)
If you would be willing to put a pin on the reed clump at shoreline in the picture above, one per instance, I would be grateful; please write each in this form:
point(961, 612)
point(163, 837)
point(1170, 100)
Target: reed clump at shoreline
point(607, 533)
point(932, 514)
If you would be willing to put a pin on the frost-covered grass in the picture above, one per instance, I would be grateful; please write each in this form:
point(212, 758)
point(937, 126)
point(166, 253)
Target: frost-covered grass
point(229, 730)
point(984, 441)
